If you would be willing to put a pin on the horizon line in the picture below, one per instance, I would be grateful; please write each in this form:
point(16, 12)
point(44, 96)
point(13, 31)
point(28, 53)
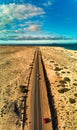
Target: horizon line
point(36, 41)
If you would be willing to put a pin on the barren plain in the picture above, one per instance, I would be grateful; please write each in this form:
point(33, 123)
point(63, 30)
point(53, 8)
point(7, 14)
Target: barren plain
point(61, 68)
point(14, 71)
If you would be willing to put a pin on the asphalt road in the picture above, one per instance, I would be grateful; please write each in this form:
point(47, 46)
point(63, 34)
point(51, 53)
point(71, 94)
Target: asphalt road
point(36, 97)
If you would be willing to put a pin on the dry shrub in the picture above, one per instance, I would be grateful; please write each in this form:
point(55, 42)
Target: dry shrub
point(23, 89)
point(75, 94)
point(71, 100)
point(57, 69)
point(63, 90)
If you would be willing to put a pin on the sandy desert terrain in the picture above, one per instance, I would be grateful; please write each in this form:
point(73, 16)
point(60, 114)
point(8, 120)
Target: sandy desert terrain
point(14, 72)
point(61, 67)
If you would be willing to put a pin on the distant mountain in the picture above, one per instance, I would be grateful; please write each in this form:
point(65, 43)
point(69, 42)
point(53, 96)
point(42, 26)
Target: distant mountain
point(35, 38)
point(43, 38)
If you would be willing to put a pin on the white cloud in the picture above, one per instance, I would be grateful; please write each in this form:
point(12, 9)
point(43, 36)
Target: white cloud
point(34, 28)
point(11, 12)
point(29, 23)
point(47, 3)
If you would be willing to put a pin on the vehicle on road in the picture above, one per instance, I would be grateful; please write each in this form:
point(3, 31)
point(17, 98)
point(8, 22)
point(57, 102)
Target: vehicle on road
point(38, 76)
point(45, 120)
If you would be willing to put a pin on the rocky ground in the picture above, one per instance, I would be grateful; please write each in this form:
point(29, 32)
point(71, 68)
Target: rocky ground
point(61, 67)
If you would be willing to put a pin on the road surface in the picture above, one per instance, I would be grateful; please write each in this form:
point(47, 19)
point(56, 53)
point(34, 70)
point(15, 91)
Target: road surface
point(36, 101)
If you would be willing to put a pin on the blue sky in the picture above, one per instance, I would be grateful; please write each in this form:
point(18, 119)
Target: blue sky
point(20, 18)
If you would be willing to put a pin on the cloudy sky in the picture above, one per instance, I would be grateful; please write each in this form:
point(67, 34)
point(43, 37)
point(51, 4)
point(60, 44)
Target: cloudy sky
point(20, 18)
